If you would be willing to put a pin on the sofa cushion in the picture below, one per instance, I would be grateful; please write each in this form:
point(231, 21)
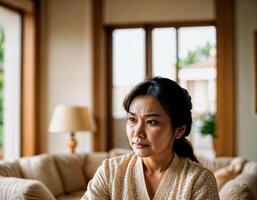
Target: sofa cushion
point(250, 168)
point(10, 168)
point(242, 187)
point(23, 189)
point(70, 168)
point(42, 168)
point(72, 196)
point(91, 164)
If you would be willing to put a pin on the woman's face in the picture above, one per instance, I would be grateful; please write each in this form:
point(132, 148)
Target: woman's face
point(149, 128)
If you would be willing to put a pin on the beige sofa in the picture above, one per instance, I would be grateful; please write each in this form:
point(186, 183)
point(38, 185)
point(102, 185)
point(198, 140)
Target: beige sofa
point(48, 177)
point(65, 176)
point(243, 186)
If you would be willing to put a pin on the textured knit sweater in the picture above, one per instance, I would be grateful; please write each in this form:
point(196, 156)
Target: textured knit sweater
point(122, 178)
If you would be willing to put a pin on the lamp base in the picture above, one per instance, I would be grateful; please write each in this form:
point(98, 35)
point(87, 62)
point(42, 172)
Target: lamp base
point(72, 143)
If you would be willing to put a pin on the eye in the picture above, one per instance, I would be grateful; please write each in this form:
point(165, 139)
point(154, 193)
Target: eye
point(132, 119)
point(152, 122)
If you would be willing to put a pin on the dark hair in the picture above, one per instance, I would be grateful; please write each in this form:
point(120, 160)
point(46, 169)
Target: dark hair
point(176, 102)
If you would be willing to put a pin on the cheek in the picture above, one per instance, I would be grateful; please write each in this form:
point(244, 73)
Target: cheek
point(156, 131)
point(129, 131)
point(160, 135)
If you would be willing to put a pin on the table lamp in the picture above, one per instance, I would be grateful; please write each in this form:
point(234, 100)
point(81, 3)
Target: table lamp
point(71, 119)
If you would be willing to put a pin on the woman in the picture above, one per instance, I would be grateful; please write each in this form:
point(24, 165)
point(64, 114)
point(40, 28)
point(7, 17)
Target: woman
point(163, 165)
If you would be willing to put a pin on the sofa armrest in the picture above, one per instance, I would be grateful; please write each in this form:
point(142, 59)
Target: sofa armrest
point(17, 188)
point(238, 188)
point(243, 186)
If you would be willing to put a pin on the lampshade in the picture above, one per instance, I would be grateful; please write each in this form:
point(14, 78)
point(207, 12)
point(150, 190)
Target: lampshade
point(71, 119)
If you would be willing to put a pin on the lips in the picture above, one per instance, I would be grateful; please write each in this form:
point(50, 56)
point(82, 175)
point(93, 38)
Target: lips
point(140, 146)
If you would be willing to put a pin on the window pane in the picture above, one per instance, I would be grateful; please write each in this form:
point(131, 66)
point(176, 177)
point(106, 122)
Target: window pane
point(197, 73)
point(164, 52)
point(128, 70)
point(10, 69)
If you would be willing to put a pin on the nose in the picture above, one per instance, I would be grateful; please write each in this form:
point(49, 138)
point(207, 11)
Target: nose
point(139, 130)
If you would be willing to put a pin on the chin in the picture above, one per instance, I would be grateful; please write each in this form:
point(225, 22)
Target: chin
point(142, 153)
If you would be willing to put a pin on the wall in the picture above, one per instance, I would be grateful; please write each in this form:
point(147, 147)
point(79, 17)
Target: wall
point(65, 70)
point(132, 11)
point(246, 23)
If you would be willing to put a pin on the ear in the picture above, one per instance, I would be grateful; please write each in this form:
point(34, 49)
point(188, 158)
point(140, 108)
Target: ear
point(180, 131)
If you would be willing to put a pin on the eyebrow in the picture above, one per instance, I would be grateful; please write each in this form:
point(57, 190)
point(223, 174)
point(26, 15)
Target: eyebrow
point(147, 114)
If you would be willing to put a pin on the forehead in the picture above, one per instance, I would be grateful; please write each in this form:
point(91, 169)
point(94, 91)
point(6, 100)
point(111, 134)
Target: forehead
point(146, 104)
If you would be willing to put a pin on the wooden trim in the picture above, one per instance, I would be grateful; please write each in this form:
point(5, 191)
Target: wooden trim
point(148, 51)
point(177, 56)
point(37, 76)
point(255, 55)
point(100, 79)
point(175, 24)
point(124, 26)
point(225, 142)
point(28, 95)
point(19, 5)
point(109, 90)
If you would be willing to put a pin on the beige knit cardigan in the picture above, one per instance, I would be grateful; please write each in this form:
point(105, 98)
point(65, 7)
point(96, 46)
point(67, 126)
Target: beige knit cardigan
point(122, 178)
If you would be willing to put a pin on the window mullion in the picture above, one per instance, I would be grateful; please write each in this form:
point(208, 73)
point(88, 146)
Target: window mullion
point(177, 55)
point(148, 51)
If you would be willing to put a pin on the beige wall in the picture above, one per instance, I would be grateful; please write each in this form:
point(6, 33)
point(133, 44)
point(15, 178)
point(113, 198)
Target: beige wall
point(246, 23)
point(66, 72)
point(128, 11)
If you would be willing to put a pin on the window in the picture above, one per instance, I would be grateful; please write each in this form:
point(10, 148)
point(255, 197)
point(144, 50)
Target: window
point(1, 89)
point(164, 52)
point(197, 73)
point(10, 83)
point(184, 54)
point(128, 70)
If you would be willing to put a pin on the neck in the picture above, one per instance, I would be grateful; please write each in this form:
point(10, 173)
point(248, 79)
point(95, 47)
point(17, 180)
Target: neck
point(157, 164)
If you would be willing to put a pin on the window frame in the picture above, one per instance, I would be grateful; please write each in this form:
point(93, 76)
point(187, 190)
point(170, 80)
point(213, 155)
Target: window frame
point(29, 11)
point(148, 57)
point(226, 112)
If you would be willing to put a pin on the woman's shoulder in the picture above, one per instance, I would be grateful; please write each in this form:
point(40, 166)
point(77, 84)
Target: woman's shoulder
point(194, 173)
point(120, 161)
point(195, 168)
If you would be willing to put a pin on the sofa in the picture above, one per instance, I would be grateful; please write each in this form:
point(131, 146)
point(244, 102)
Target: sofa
point(65, 176)
point(48, 176)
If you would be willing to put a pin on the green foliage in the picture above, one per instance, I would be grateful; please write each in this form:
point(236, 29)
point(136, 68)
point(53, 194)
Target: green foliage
point(205, 50)
point(1, 137)
point(1, 108)
point(208, 126)
point(195, 56)
point(1, 44)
